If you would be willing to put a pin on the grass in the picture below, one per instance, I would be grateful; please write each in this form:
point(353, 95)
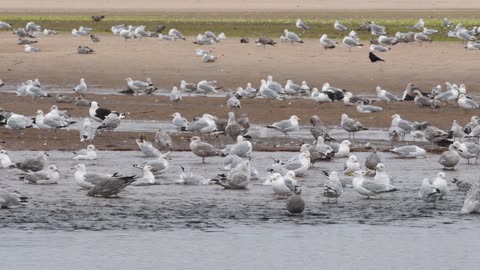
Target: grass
point(248, 24)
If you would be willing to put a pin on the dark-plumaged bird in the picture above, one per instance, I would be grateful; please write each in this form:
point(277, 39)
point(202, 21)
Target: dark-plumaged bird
point(97, 18)
point(85, 50)
point(265, 41)
point(245, 40)
point(374, 58)
point(94, 38)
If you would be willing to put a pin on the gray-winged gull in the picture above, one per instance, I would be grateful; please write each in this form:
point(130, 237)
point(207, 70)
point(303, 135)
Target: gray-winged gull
point(86, 154)
point(472, 200)
point(339, 27)
point(368, 187)
point(333, 187)
point(351, 125)
point(286, 126)
point(48, 176)
point(450, 158)
point(440, 183)
point(8, 198)
point(326, 42)
point(428, 193)
point(237, 178)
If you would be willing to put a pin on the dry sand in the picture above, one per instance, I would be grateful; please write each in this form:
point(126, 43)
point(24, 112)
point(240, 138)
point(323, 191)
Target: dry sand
point(169, 62)
point(224, 5)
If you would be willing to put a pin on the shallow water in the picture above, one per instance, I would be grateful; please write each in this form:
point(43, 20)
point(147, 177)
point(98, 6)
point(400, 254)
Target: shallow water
point(177, 226)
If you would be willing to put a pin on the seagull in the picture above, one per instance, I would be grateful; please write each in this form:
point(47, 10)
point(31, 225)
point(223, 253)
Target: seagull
point(447, 22)
point(237, 178)
point(351, 42)
point(292, 36)
point(35, 90)
point(147, 179)
point(86, 154)
point(4, 25)
point(7, 198)
point(301, 25)
point(462, 185)
point(381, 177)
point(343, 149)
point(419, 25)
point(263, 41)
point(233, 103)
point(333, 187)
point(81, 88)
point(372, 160)
point(266, 92)
point(189, 178)
point(362, 108)
point(378, 48)
point(21, 41)
point(430, 31)
point(49, 32)
point(428, 193)
point(473, 45)
point(179, 122)
point(286, 126)
point(421, 37)
point(138, 86)
point(295, 204)
point(187, 87)
point(5, 161)
point(409, 151)
point(111, 187)
point(386, 96)
point(163, 140)
point(466, 103)
point(176, 33)
point(18, 121)
point(205, 124)
point(351, 165)
point(368, 187)
point(339, 27)
point(79, 33)
point(351, 125)
point(203, 149)
point(147, 147)
point(111, 122)
point(300, 165)
point(87, 132)
point(280, 185)
point(384, 40)
point(81, 101)
point(94, 38)
point(450, 158)
point(441, 184)
point(30, 49)
point(44, 177)
point(97, 18)
point(175, 95)
point(84, 50)
point(472, 200)
point(33, 164)
point(206, 87)
point(87, 180)
point(233, 129)
point(99, 114)
point(326, 42)
point(318, 129)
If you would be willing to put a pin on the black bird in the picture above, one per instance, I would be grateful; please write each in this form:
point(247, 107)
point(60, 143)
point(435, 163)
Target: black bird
point(374, 58)
point(245, 40)
point(97, 18)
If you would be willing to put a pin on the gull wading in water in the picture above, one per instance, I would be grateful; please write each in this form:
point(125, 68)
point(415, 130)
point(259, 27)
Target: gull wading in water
point(286, 126)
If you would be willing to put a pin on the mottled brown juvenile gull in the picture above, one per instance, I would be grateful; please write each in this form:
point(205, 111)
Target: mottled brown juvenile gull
point(33, 164)
point(295, 204)
point(111, 187)
point(233, 129)
point(472, 201)
point(203, 149)
point(351, 125)
point(449, 159)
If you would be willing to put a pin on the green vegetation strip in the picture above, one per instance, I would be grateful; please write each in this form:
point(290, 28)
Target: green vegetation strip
point(248, 26)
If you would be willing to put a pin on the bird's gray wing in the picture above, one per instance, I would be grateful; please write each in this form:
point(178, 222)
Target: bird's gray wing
point(198, 125)
point(391, 96)
point(289, 184)
point(293, 165)
point(374, 187)
point(284, 124)
point(96, 178)
point(206, 149)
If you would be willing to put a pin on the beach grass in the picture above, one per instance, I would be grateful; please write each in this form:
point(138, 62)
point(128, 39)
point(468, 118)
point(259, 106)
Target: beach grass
point(236, 25)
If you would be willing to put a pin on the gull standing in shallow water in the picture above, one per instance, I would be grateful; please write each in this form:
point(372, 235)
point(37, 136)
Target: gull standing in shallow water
point(237, 178)
point(368, 187)
point(333, 187)
point(295, 204)
point(189, 178)
point(147, 179)
point(428, 193)
point(449, 159)
point(8, 198)
point(441, 184)
point(286, 126)
point(203, 149)
point(86, 154)
point(472, 201)
point(81, 88)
